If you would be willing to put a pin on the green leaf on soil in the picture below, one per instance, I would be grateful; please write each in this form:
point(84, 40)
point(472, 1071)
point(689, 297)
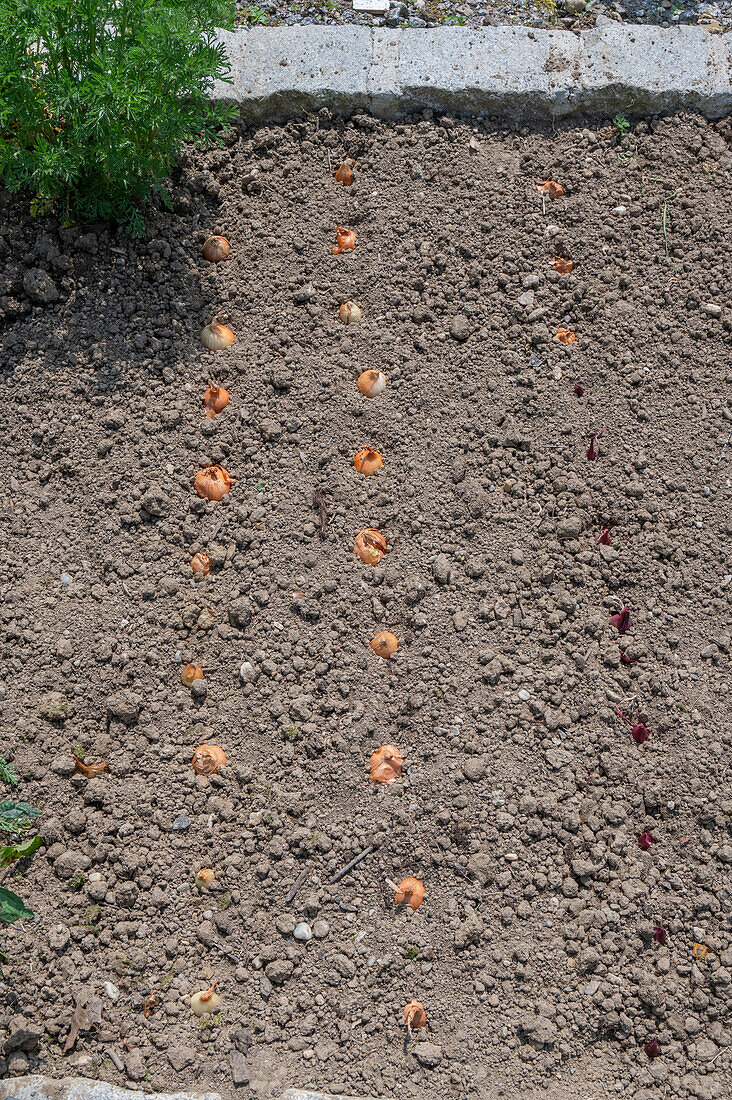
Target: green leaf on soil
point(16, 816)
point(10, 852)
point(11, 907)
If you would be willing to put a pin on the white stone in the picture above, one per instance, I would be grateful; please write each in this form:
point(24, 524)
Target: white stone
point(303, 932)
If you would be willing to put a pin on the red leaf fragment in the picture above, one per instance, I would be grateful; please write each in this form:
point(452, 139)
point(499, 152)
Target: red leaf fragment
point(660, 934)
point(628, 660)
point(638, 731)
point(578, 389)
point(604, 539)
point(621, 620)
point(591, 452)
point(645, 840)
point(652, 1048)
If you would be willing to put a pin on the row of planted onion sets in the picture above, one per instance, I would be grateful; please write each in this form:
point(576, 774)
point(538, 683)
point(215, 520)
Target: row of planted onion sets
point(214, 483)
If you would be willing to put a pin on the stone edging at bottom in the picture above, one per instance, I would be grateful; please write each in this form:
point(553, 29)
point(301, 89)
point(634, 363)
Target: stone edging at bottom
point(516, 72)
point(82, 1088)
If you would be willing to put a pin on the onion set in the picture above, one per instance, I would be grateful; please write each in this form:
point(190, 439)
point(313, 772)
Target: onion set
point(368, 461)
point(205, 1001)
point(349, 313)
point(204, 878)
point(384, 644)
point(566, 336)
point(207, 759)
point(201, 563)
point(345, 240)
point(550, 188)
point(190, 673)
point(215, 400)
point(385, 765)
point(370, 545)
point(415, 1016)
point(410, 891)
point(371, 383)
point(216, 336)
point(344, 172)
point(213, 483)
point(215, 249)
point(89, 770)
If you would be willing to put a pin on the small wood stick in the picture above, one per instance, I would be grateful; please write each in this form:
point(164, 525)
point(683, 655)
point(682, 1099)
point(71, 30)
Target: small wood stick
point(296, 885)
point(344, 870)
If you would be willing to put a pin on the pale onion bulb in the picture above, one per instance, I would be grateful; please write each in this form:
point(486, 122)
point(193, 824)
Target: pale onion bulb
point(371, 383)
point(350, 313)
point(205, 1001)
point(216, 336)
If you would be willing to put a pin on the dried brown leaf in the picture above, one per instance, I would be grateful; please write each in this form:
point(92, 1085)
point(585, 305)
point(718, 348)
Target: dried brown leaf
point(79, 1022)
point(90, 769)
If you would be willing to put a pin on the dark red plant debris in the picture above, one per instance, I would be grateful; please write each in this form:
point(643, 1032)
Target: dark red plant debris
point(652, 1048)
point(578, 389)
point(621, 620)
point(660, 934)
point(604, 538)
point(638, 731)
point(628, 660)
point(645, 840)
point(591, 452)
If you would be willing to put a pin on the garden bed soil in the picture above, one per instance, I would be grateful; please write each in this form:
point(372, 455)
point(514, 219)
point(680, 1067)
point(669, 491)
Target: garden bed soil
point(524, 792)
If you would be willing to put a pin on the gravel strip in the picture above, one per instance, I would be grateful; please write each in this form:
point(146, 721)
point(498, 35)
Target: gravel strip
point(549, 14)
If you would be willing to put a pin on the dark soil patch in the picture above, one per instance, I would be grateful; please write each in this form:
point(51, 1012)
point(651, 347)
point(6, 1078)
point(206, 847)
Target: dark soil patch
point(525, 793)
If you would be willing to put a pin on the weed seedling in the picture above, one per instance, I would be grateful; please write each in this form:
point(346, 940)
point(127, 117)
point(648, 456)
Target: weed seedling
point(208, 1022)
point(7, 773)
point(622, 126)
point(253, 15)
point(169, 976)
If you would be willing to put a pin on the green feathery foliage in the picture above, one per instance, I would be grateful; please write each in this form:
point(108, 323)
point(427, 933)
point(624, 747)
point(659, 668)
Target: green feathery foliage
point(97, 96)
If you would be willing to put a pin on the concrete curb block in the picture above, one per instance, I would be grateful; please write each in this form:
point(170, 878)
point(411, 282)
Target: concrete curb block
point(306, 1094)
point(81, 1088)
point(513, 72)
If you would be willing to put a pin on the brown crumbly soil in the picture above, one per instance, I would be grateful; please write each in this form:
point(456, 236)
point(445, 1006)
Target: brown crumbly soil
point(524, 792)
